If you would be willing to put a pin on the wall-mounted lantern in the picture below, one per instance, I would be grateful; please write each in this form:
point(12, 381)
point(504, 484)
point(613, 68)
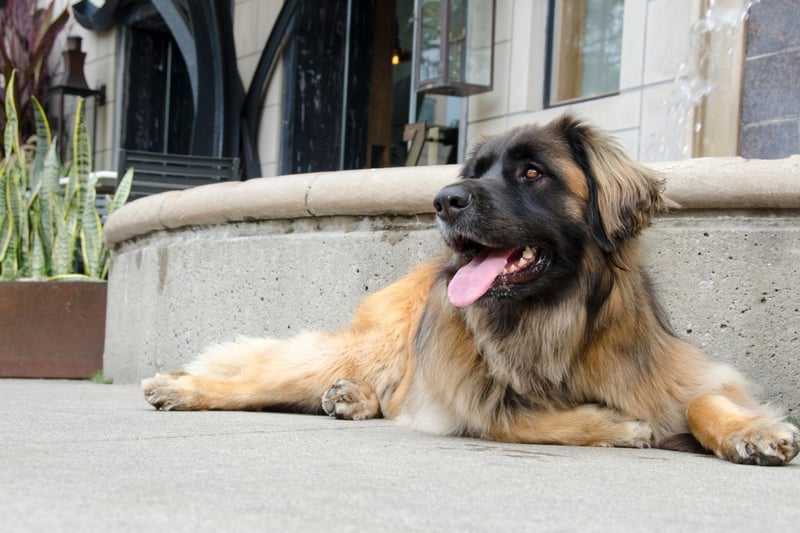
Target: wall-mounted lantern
point(73, 85)
point(455, 52)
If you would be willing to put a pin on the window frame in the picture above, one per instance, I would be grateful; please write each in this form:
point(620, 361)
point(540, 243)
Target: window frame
point(549, 63)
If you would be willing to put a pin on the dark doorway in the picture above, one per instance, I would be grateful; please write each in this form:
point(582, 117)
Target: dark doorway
point(326, 86)
point(158, 106)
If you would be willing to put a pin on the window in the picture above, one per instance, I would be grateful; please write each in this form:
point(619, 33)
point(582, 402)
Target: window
point(349, 94)
point(585, 49)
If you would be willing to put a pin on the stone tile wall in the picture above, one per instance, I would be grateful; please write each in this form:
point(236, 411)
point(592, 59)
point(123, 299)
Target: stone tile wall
point(771, 87)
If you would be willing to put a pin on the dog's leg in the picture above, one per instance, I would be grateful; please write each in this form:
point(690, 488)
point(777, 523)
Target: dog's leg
point(180, 391)
point(584, 425)
point(300, 373)
point(733, 426)
point(254, 374)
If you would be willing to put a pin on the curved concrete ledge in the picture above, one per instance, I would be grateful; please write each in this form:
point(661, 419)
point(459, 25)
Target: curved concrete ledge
point(733, 182)
point(275, 255)
point(390, 191)
point(707, 183)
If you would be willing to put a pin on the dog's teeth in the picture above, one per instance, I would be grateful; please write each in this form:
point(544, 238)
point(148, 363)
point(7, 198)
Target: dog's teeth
point(522, 261)
point(528, 253)
point(505, 271)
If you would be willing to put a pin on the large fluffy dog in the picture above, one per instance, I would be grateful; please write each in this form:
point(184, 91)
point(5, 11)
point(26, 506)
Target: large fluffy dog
point(538, 325)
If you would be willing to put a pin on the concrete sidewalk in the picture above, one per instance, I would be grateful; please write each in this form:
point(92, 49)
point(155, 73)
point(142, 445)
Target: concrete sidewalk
point(77, 456)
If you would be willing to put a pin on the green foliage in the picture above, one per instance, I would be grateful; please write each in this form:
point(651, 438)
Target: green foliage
point(27, 34)
point(48, 230)
point(99, 378)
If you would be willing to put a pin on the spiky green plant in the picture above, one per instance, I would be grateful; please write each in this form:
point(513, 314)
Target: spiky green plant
point(50, 231)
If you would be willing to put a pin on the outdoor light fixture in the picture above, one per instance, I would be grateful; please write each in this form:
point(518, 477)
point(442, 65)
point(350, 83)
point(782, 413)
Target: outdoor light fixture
point(400, 55)
point(73, 85)
point(455, 52)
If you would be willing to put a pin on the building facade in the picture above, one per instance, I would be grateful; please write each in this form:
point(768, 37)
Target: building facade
point(670, 79)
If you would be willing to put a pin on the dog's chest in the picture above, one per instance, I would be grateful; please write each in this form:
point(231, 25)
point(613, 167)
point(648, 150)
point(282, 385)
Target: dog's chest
point(533, 359)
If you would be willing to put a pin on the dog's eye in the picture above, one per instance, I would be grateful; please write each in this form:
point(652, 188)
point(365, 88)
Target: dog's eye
point(531, 173)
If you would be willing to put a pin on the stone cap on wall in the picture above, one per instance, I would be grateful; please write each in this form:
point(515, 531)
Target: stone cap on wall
point(703, 183)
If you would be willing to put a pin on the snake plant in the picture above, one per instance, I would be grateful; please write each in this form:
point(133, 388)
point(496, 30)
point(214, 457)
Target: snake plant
point(49, 230)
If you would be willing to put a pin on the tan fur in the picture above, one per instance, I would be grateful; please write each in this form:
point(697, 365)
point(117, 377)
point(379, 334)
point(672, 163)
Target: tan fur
point(563, 376)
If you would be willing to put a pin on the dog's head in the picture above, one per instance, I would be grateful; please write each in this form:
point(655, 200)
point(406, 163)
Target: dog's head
point(530, 202)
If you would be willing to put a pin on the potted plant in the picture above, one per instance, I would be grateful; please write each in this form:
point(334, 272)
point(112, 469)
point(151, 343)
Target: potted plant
point(53, 261)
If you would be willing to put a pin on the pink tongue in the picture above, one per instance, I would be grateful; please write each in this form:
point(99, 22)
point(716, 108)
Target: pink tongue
point(474, 279)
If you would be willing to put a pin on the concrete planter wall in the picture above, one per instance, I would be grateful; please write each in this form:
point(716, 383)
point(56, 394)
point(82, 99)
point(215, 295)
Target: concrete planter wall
point(276, 255)
point(51, 329)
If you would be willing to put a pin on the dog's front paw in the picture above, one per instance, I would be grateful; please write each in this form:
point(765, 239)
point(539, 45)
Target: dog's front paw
point(351, 400)
point(767, 443)
point(164, 392)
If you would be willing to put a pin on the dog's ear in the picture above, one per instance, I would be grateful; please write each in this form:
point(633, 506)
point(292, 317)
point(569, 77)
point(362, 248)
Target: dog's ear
point(623, 195)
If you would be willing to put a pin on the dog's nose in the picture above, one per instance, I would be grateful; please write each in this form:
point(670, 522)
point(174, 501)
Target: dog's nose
point(451, 201)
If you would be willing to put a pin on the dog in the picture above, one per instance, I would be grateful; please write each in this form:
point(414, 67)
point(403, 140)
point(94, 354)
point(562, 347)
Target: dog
point(538, 324)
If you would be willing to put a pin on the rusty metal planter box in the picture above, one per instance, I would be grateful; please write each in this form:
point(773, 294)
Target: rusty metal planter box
point(51, 329)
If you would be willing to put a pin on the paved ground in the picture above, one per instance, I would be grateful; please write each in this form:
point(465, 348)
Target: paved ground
point(76, 456)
